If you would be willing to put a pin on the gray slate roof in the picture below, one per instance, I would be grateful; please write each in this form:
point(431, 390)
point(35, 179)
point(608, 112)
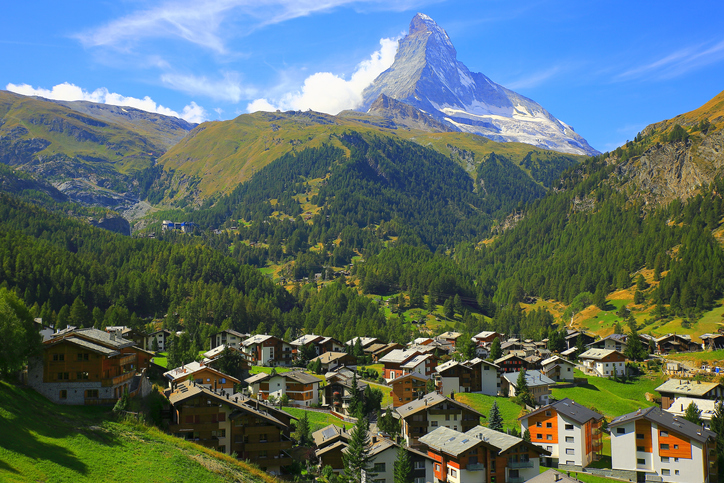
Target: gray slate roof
point(687, 388)
point(667, 420)
point(533, 378)
point(569, 409)
point(90, 346)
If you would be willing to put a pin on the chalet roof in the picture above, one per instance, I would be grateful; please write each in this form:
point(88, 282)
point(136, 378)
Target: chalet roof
point(399, 356)
point(569, 352)
point(306, 339)
point(191, 368)
point(666, 420)
point(430, 400)
point(338, 445)
point(159, 331)
point(447, 365)
point(450, 335)
point(324, 340)
point(710, 336)
point(217, 351)
point(413, 375)
point(568, 409)
point(556, 360)
point(256, 378)
point(328, 357)
point(687, 388)
point(97, 348)
point(706, 406)
point(598, 354)
point(506, 358)
point(618, 338)
point(455, 443)
point(365, 341)
point(382, 444)
point(103, 338)
point(533, 378)
point(188, 390)
point(664, 338)
point(416, 361)
point(421, 340)
point(478, 360)
point(484, 334)
point(297, 376)
point(233, 332)
point(329, 433)
point(375, 347)
point(256, 339)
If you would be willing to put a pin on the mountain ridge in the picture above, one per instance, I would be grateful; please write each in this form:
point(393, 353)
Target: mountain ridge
point(427, 75)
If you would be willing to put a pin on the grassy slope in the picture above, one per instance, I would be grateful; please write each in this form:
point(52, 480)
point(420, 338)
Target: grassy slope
point(40, 441)
point(609, 397)
point(227, 153)
point(482, 403)
point(317, 420)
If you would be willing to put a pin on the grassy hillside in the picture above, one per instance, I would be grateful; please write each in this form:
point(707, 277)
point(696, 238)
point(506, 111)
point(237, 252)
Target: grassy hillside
point(40, 441)
point(227, 153)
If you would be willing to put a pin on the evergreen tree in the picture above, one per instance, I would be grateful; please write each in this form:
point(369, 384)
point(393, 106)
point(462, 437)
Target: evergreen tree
point(303, 431)
point(640, 283)
point(20, 339)
point(447, 309)
point(389, 424)
point(79, 315)
point(635, 350)
point(63, 317)
point(356, 405)
point(495, 351)
point(458, 304)
point(522, 391)
point(357, 458)
point(580, 348)
point(495, 419)
point(403, 466)
point(430, 386)
point(430, 302)
point(693, 413)
point(717, 425)
point(526, 436)
point(639, 297)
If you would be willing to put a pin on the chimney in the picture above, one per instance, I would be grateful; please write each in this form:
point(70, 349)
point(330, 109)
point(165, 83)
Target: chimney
point(558, 476)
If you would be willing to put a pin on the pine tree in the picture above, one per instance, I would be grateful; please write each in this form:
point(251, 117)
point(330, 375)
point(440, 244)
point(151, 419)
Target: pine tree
point(526, 436)
point(356, 405)
point(495, 419)
point(448, 310)
point(403, 466)
point(458, 304)
point(357, 458)
point(522, 391)
point(495, 351)
point(430, 386)
point(693, 413)
point(303, 430)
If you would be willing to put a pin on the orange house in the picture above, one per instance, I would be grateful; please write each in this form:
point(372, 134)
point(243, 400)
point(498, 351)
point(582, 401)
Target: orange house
point(407, 388)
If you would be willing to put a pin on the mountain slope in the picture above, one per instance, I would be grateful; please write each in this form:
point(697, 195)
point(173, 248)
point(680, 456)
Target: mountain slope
point(427, 75)
point(71, 443)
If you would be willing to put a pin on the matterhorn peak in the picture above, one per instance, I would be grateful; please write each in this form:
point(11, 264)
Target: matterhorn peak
point(427, 75)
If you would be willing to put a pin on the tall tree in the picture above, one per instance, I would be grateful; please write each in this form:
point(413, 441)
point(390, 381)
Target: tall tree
point(522, 391)
point(495, 419)
point(693, 413)
point(303, 430)
point(635, 350)
point(356, 405)
point(357, 458)
point(495, 351)
point(20, 339)
point(403, 466)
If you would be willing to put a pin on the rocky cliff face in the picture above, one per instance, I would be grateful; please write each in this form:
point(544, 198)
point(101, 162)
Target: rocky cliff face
point(676, 170)
point(427, 75)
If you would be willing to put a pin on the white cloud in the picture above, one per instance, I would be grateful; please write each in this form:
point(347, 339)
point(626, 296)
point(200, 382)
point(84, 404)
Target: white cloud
point(70, 92)
point(200, 21)
point(330, 93)
point(227, 89)
point(678, 63)
point(534, 79)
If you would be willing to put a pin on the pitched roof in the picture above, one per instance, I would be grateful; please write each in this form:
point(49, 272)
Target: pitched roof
point(686, 387)
point(478, 360)
point(598, 354)
point(97, 348)
point(306, 339)
point(455, 443)
point(484, 334)
point(328, 357)
point(533, 378)
point(102, 337)
point(329, 433)
point(399, 355)
point(191, 368)
point(446, 365)
point(568, 409)
point(666, 420)
point(556, 359)
point(338, 445)
point(256, 339)
point(450, 335)
point(430, 400)
point(706, 406)
point(416, 361)
point(381, 445)
point(297, 376)
point(365, 341)
point(505, 358)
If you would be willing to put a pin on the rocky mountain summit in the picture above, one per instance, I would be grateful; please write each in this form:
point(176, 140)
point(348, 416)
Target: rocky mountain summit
point(427, 75)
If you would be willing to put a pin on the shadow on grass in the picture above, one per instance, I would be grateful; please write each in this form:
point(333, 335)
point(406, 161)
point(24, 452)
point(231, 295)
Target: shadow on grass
point(7, 468)
point(31, 425)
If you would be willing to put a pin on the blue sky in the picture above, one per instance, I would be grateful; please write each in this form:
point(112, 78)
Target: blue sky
point(607, 68)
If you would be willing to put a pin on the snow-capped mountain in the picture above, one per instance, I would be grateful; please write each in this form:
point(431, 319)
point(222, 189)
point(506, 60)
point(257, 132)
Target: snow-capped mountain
point(427, 75)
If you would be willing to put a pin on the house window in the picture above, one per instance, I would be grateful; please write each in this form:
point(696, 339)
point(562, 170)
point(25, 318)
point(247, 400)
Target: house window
point(569, 427)
point(664, 459)
point(664, 446)
point(676, 446)
point(620, 430)
point(379, 468)
point(447, 417)
point(262, 454)
point(538, 436)
point(639, 436)
point(640, 448)
point(58, 357)
point(437, 467)
point(453, 472)
point(419, 465)
point(548, 413)
point(420, 479)
point(664, 434)
point(82, 356)
point(569, 439)
point(222, 417)
point(262, 438)
point(539, 424)
point(63, 394)
point(676, 472)
point(549, 437)
point(640, 461)
point(665, 472)
point(570, 451)
point(81, 375)
point(433, 424)
point(549, 425)
point(91, 393)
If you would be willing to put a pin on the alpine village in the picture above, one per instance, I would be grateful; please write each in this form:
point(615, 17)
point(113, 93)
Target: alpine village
point(392, 294)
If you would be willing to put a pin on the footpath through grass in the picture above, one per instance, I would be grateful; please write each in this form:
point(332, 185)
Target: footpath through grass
point(41, 441)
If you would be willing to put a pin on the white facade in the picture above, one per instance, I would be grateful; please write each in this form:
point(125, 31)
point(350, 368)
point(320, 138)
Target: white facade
point(490, 380)
point(384, 459)
point(670, 469)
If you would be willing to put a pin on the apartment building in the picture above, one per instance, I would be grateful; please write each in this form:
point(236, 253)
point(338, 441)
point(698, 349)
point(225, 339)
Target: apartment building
point(301, 388)
point(571, 433)
point(653, 445)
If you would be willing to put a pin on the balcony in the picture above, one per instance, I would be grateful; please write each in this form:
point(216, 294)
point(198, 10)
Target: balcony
point(520, 464)
point(475, 467)
point(118, 380)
